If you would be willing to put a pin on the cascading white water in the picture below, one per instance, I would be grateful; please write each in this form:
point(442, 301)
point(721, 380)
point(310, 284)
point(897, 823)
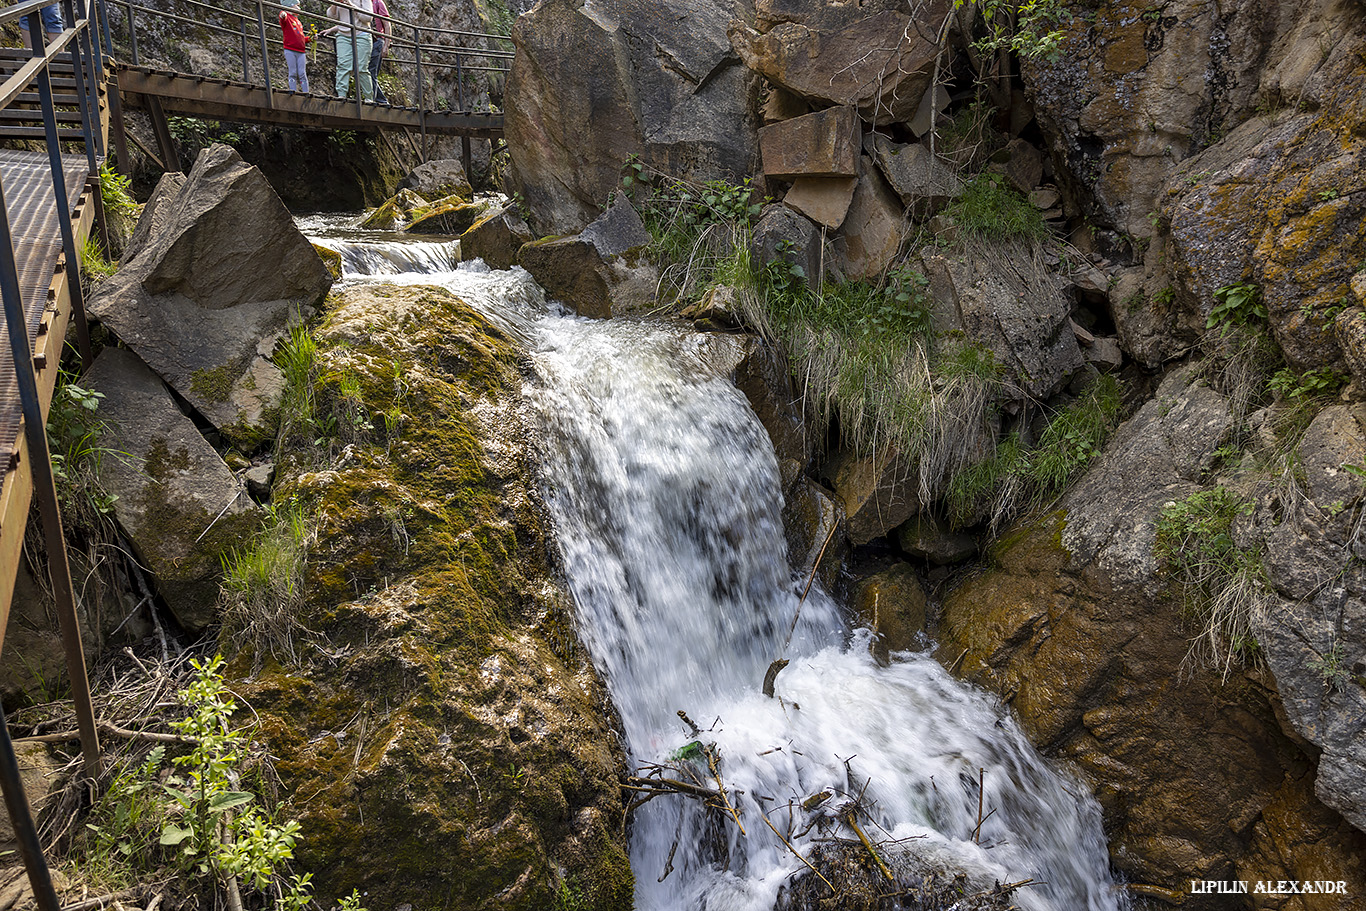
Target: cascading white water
point(665, 495)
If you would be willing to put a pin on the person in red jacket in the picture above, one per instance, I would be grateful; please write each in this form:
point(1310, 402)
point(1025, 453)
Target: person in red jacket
point(296, 47)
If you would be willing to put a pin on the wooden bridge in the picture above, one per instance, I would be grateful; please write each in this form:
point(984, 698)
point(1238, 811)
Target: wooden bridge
point(68, 93)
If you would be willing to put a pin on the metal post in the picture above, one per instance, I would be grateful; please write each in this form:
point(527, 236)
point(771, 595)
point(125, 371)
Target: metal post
point(132, 32)
point(459, 85)
point(121, 159)
point(54, 156)
point(82, 87)
point(21, 817)
point(40, 460)
point(94, 67)
point(265, 58)
point(246, 73)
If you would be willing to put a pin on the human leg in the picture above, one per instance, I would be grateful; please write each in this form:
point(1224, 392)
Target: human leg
point(376, 58)
point(52, 21)
point(298, 76)
point(346, 58)
point(366, 87)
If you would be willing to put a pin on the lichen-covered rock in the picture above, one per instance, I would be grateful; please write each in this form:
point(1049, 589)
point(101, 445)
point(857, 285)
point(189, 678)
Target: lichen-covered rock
point(595, 83)
point(205, 293)
point(179, 504)
point(394, 212)
point(1135, 92)
point(1316, 632)
point(1279, 204)
point(495, 237)
point(451, 215)
point(442, 739)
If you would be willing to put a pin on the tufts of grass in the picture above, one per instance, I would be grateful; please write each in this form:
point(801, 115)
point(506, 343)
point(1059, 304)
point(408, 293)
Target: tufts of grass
point(989, 209)
point(1224, 586)
point(1015, 478)
point(262, 588)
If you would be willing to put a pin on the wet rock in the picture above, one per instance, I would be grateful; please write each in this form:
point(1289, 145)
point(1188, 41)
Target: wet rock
point(495, 237)
point(600, 271)
point(438, 179)
point(930, 539)
point(844, 55)
point(924, 183)
point(1004, 303)
point(1076, 629)
point(811, 519)
point(594, 84)
point(763, 376)
point(874, 228)
point(824, 200)
point(823, 144)
point(892, 604)
point(177, 501)
point(204, 295)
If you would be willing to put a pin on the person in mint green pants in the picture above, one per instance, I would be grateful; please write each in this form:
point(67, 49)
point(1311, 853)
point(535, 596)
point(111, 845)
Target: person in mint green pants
point(353, 45)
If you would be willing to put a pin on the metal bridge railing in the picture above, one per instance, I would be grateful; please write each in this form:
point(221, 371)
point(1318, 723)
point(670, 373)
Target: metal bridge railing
point(254, 32)
point(81, 46)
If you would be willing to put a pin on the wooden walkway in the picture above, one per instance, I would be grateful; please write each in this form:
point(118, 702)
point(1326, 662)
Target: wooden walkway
point(31, 206)
point(243, 102)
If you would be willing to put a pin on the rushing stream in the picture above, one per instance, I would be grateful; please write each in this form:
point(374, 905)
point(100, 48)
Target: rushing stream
point(666, 500)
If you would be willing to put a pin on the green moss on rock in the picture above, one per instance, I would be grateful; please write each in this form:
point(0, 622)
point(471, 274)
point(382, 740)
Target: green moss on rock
point(441, 741)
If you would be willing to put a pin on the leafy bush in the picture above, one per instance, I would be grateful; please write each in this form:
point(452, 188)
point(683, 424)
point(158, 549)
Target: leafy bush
point(196, 817)
point(1237, 305)
point(1224, 586)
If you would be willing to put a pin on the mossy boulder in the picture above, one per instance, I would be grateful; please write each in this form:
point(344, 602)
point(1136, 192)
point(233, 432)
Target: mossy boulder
point(442, 736)
point(452, 215)
point(394, 212)
point(495, 237)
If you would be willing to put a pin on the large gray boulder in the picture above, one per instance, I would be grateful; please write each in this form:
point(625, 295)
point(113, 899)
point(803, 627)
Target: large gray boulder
point(1006, 302)
point(204, 295)
point(595, 83)
point(601, 271)
point(177, 501)
point(1314, 634)
point(873, 56)
point(437, 179)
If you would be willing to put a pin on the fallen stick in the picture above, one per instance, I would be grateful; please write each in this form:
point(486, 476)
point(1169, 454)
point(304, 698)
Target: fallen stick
point(101, 901)
point(881, 865)
point(788, 844)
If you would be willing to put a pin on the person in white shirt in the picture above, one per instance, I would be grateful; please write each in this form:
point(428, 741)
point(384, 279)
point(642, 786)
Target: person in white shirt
point(353, 45)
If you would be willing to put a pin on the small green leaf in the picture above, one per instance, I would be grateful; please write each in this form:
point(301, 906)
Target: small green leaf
point(227, 800)
point(174, 834)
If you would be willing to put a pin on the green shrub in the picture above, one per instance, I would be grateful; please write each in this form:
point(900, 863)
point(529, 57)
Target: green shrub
point(1237, 305)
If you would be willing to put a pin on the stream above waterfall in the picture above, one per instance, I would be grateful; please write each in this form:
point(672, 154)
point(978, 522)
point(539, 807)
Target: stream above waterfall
point(666, 502)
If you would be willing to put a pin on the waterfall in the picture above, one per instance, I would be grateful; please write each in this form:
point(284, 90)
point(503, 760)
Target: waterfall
point(665, 495)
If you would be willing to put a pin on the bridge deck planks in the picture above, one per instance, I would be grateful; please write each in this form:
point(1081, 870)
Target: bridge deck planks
point(32, 212)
